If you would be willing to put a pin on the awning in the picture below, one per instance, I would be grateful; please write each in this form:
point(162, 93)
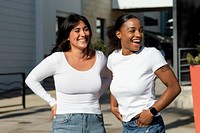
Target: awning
point(158, 37)
point(141, 4)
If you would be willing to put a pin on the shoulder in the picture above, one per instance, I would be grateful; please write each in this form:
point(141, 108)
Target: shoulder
point(55, 56)
point(100, 54)
point(151, 50)
point(100, 57)
point(114, 57)
point(114, 53)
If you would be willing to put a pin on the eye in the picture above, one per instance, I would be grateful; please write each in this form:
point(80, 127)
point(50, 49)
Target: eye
point(132, 30)
point(76, 30)
point(141, 30)
point(86, 29)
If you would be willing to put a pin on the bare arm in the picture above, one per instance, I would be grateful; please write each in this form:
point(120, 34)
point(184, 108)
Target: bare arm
point(114, 107)
point(167, 76)
point(106, 80)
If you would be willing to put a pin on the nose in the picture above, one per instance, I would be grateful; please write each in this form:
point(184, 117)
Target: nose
point(138, 33)
point(82, 33)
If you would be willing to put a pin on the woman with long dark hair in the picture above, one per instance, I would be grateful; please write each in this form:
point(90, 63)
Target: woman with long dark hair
point(80, 76)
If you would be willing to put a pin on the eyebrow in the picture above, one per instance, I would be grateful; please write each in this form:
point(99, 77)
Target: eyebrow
point(80, 28)
point(134, 27)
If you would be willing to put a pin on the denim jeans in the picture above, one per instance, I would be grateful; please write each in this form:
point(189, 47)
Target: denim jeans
point(157, 126)
point(78, 123)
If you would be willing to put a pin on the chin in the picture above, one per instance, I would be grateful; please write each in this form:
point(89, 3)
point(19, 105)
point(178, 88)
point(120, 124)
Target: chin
point(136, 48)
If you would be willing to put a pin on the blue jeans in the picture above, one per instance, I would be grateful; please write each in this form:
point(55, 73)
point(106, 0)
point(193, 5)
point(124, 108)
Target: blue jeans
point(157, 126)
point(78, 123)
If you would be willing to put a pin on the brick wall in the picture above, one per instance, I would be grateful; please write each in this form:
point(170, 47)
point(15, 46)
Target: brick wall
point(93, 9)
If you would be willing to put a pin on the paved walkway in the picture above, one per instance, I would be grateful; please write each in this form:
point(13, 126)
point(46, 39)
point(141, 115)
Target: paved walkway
point(36, 117)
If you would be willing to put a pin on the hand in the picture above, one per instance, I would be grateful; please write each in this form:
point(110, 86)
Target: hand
point(53, 112)
point(144, 118)
point(115, 111)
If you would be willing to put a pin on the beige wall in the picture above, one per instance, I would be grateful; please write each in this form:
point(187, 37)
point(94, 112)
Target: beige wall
point(93, 9)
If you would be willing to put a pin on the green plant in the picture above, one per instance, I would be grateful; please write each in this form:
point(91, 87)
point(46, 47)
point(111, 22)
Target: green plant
point(99, 45)
point(194, 60)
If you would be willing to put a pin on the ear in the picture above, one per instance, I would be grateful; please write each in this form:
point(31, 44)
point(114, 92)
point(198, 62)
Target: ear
point(118, 34)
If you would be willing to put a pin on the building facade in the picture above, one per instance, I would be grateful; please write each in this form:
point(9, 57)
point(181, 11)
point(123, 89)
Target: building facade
point(28, 27)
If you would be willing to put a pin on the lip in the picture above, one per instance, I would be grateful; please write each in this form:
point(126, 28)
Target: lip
point(82, 40)
point(136, 41)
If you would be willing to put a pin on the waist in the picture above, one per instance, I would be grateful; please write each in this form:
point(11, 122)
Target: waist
point(78, 107)
point(137, 117)
point(77, 103)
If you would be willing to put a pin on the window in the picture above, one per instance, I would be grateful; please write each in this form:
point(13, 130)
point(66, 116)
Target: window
point(150, 21)
point(59, 22)
point(100, 29)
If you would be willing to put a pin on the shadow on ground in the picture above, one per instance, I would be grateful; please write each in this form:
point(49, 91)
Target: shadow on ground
point(18, 113)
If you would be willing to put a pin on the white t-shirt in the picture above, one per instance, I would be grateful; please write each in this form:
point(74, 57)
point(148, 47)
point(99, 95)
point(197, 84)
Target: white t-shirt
point(133, 83)
point(76, 91)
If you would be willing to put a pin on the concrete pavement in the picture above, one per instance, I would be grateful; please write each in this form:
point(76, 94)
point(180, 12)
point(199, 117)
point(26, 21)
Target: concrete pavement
point(36, 117)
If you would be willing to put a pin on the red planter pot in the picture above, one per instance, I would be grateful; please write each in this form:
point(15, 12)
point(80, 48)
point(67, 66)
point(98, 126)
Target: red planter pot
point(195, 81)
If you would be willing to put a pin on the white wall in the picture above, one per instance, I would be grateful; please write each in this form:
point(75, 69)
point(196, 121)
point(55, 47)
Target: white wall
point(46, 12)
point(27, 31)
point(69, 6)
point(17, 35)
point(45, 27)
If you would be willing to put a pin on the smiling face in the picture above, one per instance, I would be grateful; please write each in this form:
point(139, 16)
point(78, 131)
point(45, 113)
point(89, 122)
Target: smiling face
point(130, 35)
point(79, 36)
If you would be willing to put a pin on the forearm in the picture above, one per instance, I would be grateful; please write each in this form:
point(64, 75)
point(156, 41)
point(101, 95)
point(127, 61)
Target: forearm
point(166, 75)
point(43, 70)
point(167, 97)
point(113, 101)
point(114, 107)
point(106, 80)
point(38, 89)
point(105, 85)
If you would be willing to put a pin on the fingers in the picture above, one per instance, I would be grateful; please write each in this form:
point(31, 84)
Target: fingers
point(140, 124)
point(144, 119)
point(51, 117)
point(119, 116)
point(53, 112)
point(115, 111)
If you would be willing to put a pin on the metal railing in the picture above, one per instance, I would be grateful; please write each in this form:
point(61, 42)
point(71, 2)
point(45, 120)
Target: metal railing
point(10, 82)
point(183, 69)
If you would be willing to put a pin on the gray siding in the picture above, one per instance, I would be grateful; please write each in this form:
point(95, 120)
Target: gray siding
point(17, 35)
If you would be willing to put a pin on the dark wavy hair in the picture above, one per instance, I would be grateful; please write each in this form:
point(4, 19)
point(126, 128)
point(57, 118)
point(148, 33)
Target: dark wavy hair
point(114, 42)
point(62, 42)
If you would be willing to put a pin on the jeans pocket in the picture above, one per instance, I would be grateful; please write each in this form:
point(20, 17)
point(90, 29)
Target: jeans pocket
point(60, 119)
point(99, 117)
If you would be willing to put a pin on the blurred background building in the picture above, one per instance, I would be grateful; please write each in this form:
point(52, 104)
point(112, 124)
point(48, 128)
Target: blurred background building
point(28, 27)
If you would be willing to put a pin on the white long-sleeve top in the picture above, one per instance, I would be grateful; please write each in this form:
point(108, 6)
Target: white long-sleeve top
point(76, 91)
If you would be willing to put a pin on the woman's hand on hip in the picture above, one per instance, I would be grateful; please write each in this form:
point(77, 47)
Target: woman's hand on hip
point(115, 111)
point(53, 112)
point(145, 118)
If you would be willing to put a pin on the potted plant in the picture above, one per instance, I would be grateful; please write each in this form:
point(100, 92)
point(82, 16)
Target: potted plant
point(194, 62)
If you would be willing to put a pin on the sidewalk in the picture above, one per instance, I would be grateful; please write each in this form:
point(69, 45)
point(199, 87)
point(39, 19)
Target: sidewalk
point(36, 117)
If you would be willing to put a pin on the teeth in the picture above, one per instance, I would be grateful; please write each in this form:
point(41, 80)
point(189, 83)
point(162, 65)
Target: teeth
point(82, 39)
point(136, 41)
